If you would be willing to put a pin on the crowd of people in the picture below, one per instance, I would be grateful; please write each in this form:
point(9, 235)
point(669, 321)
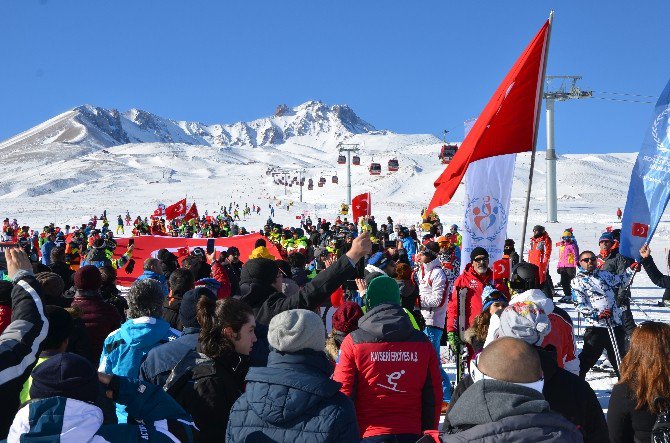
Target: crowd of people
point(336, 340)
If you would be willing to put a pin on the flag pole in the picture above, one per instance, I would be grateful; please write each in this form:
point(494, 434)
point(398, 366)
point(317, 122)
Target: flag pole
point(537, 125)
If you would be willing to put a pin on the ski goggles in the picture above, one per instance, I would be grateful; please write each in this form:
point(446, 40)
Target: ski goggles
point(478, 375)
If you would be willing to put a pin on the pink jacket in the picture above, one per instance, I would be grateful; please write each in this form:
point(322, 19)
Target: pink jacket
point(567, 254)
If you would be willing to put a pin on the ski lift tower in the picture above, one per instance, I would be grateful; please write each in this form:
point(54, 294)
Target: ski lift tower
point(567, 90)
point(285, 173)
point(348, 148)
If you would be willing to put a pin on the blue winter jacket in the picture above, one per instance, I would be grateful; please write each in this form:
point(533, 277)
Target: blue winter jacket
point(125, 349)
point(61, 419)
point(160, 361)
point(159, 277)
point(410, 247)
point(293, 400)
point(46, 252)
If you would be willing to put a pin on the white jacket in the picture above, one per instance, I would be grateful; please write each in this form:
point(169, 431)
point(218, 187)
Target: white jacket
point(433, 293)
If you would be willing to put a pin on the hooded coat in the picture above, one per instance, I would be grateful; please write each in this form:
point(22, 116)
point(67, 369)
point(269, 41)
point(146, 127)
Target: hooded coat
point(390, 371)
point(293, 400)
point(498, 411)
point(125, 348)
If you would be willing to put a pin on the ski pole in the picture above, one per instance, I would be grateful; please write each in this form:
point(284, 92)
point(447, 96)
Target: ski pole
point(615, 346)
point(640, 308)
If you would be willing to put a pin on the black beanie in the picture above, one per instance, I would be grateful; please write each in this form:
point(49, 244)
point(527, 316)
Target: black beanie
point(259, 270)
point(431, 249)
point(189, 306)
point(60, 326)
point(477, 252)
point(65, 375)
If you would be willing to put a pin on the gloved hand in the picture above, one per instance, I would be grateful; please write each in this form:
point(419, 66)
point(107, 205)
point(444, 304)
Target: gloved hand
point(454, 341)
point(606, 314)
point(130, 266)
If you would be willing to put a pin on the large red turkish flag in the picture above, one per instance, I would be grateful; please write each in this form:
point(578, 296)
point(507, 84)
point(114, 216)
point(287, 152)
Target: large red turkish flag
point(507, 123)
point(176, 210)
point(361, 205)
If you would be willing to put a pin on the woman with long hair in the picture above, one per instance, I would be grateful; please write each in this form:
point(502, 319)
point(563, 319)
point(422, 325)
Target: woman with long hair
point(217, 380)
point(643, 391)
point(493, 301)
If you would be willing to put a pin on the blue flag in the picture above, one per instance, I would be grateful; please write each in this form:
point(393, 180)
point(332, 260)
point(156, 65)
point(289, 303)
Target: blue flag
point(649, 189)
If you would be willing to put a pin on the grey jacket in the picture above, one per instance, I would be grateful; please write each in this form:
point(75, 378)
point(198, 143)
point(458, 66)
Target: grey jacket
point(497, 411)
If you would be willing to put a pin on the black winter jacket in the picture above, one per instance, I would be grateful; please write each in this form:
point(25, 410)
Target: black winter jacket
point(626, 423)
point(212, 388)
point(656, 276)
point(616, 263)
point(567, 394)
point(267, 302)
point(20, 344)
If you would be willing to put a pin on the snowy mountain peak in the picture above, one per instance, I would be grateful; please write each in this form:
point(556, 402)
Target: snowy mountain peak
point(91, 127)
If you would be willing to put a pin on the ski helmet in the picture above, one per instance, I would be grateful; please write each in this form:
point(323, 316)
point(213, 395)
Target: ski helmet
point(525, 276)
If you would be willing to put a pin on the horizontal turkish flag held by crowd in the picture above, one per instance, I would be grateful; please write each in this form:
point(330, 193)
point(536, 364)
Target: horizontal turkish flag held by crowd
point(147, 246)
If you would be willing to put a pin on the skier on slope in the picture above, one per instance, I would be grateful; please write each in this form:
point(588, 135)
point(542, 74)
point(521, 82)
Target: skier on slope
point(568, 251)
point(540, 250)
point(594, 292)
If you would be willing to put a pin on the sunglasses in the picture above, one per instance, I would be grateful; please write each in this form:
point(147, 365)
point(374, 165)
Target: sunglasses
point(567, 238)
point(588, 259)
point(481, 259)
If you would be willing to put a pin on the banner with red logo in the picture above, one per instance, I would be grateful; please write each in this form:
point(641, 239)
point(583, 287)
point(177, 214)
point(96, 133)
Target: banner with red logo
point(147, 246)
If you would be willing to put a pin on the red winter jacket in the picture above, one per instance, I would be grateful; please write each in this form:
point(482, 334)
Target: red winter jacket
point(540, 253)
point(562, 338)
point(220, 274)
point(473, 300)
point(100, 318)
point(5, 317)
point(390, 370)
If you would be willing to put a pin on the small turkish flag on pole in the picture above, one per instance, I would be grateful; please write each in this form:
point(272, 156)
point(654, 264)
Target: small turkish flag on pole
point(191, 213)
point(176, 210)
point(501, 268)
point(640, 230)
point(361, 205)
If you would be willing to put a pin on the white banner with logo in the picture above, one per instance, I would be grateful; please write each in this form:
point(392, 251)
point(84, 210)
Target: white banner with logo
point(488, 190)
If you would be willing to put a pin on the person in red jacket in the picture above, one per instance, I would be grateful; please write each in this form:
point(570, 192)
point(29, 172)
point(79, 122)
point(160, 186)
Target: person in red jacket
point(467, 289)
point(540, 250)
point(390, 370)
point(99, 317)
point(5, 304)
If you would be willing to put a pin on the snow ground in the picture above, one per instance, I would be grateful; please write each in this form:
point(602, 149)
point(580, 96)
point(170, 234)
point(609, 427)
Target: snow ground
point(78, 181)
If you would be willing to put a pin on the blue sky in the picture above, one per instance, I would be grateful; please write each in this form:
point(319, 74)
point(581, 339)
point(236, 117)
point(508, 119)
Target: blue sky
point(411, 67)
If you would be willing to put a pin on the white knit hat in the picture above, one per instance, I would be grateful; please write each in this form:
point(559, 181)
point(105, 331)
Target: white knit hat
point(295, 330)
point(524, 320)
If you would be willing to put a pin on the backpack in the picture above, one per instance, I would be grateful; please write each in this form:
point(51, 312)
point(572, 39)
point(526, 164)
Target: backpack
point(660, 433)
